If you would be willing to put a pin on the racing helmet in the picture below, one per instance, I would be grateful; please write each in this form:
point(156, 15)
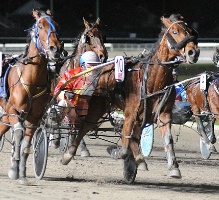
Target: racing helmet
point(89, 57)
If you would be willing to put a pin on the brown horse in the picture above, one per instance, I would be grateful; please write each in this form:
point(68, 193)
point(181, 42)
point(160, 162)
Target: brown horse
point(144, 95)
point(203, 96)
point(29, 87)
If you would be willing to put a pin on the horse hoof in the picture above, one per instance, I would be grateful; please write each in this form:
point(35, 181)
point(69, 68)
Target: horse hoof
point(66, 158)
point(55, 145)
point(23, 181)
point(85, 153)
point(124, 153)
point(143, 166)
point(13, 174)
point(212, 149)
point(175, 173)
point(114, 151)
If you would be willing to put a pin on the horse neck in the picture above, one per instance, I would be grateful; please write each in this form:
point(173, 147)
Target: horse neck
point(78, 52)
point(163, 52)
point(36, 69)
point(160, 76)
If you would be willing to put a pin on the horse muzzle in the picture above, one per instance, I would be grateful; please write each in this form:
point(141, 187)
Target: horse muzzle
point(192, 55)
point(54, 53)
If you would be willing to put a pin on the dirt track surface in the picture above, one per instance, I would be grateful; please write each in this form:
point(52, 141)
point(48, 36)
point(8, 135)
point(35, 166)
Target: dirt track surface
point(100, 177)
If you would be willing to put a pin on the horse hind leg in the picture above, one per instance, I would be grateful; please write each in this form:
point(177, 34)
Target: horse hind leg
point(84, 150)
point(206, 131)
point(17, 138)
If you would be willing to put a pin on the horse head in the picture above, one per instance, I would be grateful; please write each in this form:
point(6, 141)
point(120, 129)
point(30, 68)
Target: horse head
point(44, 35)
point(91, 39)
point(181, 39)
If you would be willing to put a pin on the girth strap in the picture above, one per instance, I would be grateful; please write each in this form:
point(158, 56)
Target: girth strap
point(26, 87)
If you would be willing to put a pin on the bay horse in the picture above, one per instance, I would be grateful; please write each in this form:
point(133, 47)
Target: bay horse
point(203, 96)
point(144, 95)
point(29, 86)
point(91, 39)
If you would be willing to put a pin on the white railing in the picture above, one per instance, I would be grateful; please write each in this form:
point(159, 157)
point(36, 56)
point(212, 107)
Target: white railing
point(206, 49)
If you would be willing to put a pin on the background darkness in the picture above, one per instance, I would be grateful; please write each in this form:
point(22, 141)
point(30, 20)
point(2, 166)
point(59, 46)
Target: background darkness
point(118, 18)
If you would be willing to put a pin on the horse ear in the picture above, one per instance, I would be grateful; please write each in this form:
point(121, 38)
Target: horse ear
point(36, 14)
point(165, 21)
point(86, 23)
point(97, 21)
point(48, 12)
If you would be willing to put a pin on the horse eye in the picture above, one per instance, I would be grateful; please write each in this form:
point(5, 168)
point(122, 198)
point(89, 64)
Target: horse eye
point(40, 27)
point(175, 32)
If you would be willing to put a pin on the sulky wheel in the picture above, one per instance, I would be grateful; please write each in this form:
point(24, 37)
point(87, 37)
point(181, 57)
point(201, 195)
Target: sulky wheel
point(147, 140)
point(2, 142)
point(3, 136)
point(130, 169)
point(205, 149)
point(40, 153)
point(64, 141)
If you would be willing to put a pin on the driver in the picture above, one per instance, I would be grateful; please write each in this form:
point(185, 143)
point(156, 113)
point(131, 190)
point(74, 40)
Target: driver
point(77, 86)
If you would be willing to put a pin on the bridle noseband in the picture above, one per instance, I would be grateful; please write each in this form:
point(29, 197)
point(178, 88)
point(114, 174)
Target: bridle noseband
point(171, 42)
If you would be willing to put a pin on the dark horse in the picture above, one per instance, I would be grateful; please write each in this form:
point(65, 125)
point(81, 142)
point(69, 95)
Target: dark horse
point(203, 96)
point(146, 95)
point(29, 87)
point(91, 39)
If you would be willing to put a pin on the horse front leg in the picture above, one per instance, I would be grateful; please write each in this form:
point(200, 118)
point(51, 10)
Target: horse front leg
point(134, 145)
point(18, 133)
point(94, 114)
point(165, 128)
point(72, 149)
point(24, 153)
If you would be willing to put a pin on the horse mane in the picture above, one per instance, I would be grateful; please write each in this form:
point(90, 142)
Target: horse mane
point(75, 43)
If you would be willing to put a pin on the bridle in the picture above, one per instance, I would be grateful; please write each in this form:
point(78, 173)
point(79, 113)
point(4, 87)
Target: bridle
point(171, 42)
point(35, 34)
point(85, 37)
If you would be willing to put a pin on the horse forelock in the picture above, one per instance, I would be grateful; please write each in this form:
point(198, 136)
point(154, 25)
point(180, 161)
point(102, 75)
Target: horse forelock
point(176, 17)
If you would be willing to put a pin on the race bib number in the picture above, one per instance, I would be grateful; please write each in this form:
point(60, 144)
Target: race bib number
point(119, 69)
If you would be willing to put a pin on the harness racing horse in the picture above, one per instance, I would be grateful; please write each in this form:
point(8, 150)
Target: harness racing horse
point(91, 39)
point(203, 96)
point(146, 95)
point(29, 86)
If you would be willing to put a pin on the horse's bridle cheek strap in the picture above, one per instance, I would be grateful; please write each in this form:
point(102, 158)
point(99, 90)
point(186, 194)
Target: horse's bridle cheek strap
point(182, 44)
